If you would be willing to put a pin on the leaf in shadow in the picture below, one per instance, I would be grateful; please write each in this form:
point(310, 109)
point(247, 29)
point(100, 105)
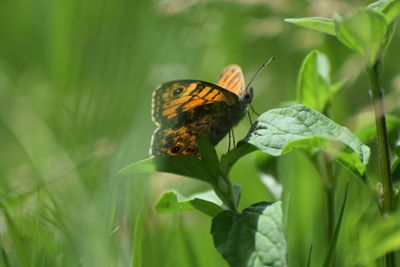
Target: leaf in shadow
point(252, 238)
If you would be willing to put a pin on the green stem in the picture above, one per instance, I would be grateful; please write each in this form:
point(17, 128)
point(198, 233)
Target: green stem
point(383, 144)
point(377, 94)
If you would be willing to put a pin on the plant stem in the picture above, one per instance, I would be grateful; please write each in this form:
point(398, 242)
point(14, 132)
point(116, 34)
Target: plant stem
point(376, 92)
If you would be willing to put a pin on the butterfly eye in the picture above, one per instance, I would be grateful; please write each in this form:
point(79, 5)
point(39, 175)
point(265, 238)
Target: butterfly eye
point(175, 149)
point(177, 91)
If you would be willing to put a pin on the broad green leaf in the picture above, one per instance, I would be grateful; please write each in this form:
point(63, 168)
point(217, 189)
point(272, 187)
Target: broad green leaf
point(389, 8)
point(316, 23)
point(252, 238)
point(313, 82)
point(188, 166)
point(206, 202)
point(282, 130)
point(366, 32)
point(230, 158)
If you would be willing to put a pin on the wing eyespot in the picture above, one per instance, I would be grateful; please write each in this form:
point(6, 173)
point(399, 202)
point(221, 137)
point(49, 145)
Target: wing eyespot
point(175, 149)
point(177, 91)
point(190, 150)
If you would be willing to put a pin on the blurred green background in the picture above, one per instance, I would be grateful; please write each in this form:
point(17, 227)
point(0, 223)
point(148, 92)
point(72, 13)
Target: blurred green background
point(76, 79)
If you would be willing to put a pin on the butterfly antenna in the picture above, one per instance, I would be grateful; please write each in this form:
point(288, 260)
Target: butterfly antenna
point(258, 72)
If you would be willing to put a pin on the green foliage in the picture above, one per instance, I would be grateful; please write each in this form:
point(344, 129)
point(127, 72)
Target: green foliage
point(280, 131)
point(251, 238)
point(314, 88)
point(206, 202)
point(321, 24)
point(367, 31)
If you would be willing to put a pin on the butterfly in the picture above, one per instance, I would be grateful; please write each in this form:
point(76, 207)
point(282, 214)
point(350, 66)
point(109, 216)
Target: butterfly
point(184, 109)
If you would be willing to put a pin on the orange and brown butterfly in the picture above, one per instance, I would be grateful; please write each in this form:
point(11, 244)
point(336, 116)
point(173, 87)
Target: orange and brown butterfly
point(185, 109)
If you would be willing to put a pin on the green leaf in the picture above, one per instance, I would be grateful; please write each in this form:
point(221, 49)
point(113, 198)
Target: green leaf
point(188, 166)
point(313, 82)
point(316, 23)
point(280, 131)
point(206, 202)
point(230, 158)
point(207, 152)
point(389, 8)
point(366, 32)
point(252, 238)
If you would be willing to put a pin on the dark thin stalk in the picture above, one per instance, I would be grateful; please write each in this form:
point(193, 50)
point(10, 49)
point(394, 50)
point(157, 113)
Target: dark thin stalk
point(376, 92)
point(377, 96)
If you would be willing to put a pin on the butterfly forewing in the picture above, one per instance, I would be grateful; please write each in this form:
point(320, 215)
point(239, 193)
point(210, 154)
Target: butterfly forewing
point(173, 98)
point(232, 79)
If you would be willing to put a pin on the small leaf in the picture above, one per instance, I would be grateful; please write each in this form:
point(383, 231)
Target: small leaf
point(313, 82)
point(252, 238)
point(389, 8)
point(206, 202)
point(366, 31)
point(280, 131)
point(188, 166)
point(316, 23)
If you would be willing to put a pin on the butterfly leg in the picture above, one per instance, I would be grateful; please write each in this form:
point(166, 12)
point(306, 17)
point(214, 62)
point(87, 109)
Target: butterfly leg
point(248, 114)
point(229, 141)
point(233, 137)
point(252, 109)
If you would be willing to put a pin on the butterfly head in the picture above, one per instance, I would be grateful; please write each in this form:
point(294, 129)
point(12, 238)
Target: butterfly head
point(248, 97)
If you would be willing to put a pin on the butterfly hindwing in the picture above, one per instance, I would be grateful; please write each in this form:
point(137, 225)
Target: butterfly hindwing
point(180, 136)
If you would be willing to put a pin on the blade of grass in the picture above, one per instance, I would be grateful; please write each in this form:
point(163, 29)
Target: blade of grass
point(137, 242)
point(3, 257)
point(309, 257)
point(332, 245)
point(16, 238)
